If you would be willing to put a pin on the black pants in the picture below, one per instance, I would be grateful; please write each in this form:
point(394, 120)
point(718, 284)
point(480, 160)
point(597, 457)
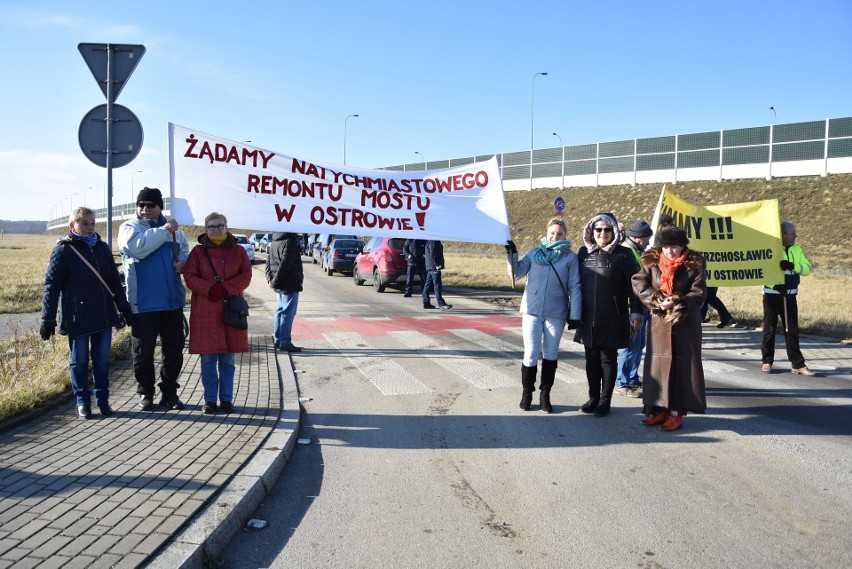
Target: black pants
point(418, 270)
point(715, 302)
point(773, 308)
point(601, 369)
point(168, 325)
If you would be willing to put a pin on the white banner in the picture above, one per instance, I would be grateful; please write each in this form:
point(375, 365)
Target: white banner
point(263, 190)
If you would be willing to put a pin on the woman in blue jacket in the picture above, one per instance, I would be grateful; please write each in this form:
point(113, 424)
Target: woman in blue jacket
point(80, 270)
point(551, 296)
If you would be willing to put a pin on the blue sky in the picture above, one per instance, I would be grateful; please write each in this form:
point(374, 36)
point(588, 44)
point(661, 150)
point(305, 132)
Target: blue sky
point(446, 79)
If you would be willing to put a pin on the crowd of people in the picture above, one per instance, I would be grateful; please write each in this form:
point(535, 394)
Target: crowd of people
point(618, 292)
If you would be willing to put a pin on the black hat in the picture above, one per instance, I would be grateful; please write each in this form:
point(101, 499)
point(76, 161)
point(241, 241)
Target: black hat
point(672, 236)
point(640, 229)
point(153, 195)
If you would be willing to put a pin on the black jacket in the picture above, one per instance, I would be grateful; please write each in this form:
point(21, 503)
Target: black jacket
point(284, 264)
point(434, 255)
point(608, 297)
point(414, 251)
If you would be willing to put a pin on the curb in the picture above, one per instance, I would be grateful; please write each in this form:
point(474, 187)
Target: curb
point(203, 539)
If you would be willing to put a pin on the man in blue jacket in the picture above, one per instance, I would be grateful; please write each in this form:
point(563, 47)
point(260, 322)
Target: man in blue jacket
point(153, 252)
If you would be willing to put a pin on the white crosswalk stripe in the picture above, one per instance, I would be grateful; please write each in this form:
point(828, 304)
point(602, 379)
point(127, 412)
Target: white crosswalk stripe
point(712, 366)
point(474, 372)
point(388, 376)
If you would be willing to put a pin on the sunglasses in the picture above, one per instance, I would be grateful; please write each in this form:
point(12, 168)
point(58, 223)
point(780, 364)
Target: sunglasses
point(149, 205)
point(603, 229)
point(219, 227)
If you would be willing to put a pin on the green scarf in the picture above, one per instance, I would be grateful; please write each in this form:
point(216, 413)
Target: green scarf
point(549, 251)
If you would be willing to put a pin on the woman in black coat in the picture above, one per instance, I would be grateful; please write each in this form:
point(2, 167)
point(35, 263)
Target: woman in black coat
point(611, 312)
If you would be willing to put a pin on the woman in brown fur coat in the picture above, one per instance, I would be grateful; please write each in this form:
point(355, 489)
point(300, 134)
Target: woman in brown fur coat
point(671, 283)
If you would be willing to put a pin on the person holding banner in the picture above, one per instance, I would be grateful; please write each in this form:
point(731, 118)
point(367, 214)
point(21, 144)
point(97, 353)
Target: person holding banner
point(153, 252)
point(218, 267)
point(672, 284)
point(551, 296)
point(780, 301)
point(611, 313)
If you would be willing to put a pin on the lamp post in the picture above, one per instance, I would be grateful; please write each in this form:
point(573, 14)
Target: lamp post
point(132, 185)
point(532, 123)
point(563, 158)
point(421, 156)
point(774, 114)
point(71, 202)
point(344, 136)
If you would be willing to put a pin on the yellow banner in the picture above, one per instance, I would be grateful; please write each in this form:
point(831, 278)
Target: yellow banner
point(741, 242)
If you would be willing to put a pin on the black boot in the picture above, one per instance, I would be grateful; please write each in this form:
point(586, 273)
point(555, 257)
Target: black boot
point(528, 382)
point(548, 373)
point(607, 387)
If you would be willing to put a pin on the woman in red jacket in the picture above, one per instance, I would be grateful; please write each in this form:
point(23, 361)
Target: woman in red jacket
point(208, 334)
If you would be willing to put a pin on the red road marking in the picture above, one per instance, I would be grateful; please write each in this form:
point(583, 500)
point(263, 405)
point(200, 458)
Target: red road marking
point(308, 329)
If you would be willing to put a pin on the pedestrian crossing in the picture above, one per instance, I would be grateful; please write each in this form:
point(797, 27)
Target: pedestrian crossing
point(461, 353)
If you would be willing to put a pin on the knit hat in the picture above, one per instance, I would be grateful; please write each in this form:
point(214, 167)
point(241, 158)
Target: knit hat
point(152, 195)
point(672, 236)
point(640, 229)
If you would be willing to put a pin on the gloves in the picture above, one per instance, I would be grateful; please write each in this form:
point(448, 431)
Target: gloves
point(786, 265)
point(46, 332)
point(217, 291)
point(510, 247)
point(127, 316)
point(574, 324)
point(781, 288)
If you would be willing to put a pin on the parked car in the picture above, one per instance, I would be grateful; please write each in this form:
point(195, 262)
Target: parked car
point(263, 244)
point(322, 243)
point(341, 255)
point(382, 263)
point(243, 241)
point(255, 238)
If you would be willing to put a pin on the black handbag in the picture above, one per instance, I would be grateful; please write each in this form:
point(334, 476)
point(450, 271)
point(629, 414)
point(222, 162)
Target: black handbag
point(236, 308)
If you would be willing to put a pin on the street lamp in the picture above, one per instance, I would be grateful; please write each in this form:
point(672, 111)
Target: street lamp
point(563, 157)
point(344, 136)
point(532, 123)
point(774, 114)
point(71, 202)
point(421, 156)
point(132, 184)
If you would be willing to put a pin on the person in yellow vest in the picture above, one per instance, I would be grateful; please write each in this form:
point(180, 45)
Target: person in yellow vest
point(780, 300)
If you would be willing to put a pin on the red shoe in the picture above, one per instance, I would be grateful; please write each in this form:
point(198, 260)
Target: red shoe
point(656, 419)
point(673, 423)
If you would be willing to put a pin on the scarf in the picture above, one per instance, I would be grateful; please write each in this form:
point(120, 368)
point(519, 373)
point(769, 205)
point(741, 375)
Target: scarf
point(668, 268)
point(549, 251)
point(89, 240)
point(217, 241)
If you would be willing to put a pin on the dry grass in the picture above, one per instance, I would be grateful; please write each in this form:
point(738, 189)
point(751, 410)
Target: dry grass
point(23, 261)
point(33, 371)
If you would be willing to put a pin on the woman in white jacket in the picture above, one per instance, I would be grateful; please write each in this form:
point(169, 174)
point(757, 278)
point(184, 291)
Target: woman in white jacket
point(551, 296)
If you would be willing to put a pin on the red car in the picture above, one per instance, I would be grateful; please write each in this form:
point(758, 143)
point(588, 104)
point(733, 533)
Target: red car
point(382, 263)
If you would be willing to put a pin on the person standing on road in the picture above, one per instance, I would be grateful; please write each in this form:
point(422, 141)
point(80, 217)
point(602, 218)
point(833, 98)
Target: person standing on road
point(611, 313)
point(671, 283)
point(82, 276)
point(153, 253)
point(780, 301)
point(627, 380)
point(414, 251)
point(551, 296)
point(434, 264)
point(725, 318)
point(285, 276)
point(218, 267)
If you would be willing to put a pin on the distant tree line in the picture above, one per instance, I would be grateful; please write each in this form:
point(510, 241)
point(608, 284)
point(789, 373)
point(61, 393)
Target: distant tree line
point(23, 226)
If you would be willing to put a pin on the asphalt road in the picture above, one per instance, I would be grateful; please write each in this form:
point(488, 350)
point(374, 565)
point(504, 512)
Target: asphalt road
point(420, 457)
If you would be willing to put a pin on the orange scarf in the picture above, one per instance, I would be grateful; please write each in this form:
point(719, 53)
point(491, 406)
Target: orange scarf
point(668, 268)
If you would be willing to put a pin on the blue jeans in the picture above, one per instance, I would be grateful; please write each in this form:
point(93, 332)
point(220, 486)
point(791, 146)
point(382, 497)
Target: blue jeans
point(284, 316)
point(79, 366)
point(433, 282)
point(630, 357)
point(217, 376)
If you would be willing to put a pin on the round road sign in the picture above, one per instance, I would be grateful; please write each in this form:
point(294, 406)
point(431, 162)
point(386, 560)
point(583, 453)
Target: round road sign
point(126, 136)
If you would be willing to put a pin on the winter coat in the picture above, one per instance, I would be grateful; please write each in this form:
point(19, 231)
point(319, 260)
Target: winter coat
point(546, 294)
point(208, 333)
point(414, 251)
point(673, 375)
point(801, 267)
point(147, 253)
point(434, 256)
point(284, 264)
point(87, 306)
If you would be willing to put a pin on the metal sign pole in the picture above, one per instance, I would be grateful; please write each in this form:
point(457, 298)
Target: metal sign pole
point(109, 145)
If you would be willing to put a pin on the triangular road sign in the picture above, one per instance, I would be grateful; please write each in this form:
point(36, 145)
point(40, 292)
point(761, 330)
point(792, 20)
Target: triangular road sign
point(123, 58)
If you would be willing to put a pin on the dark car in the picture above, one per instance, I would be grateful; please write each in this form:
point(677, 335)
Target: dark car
point(382, 263)
point(341, 255)
point(323, 241)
